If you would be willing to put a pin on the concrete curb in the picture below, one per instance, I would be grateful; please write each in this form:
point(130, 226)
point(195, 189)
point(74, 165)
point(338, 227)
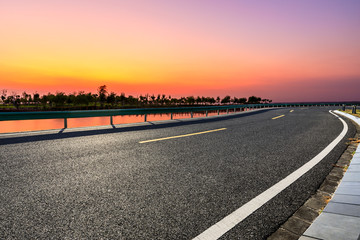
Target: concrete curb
point(301, 220)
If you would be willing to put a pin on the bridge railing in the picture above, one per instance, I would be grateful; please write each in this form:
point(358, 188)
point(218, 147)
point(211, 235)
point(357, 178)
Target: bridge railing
point(9, 116)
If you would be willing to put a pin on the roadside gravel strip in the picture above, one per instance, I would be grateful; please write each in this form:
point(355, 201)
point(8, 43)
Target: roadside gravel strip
point(230, 221)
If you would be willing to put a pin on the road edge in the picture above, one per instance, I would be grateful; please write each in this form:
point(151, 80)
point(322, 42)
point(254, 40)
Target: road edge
point(301, 220)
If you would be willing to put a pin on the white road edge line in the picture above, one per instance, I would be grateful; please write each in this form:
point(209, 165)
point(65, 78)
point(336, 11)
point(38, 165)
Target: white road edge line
point(234, 218)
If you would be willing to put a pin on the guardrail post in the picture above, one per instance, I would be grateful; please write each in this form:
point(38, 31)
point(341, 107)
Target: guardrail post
point(65, 122)
point(206, 113)
point(145, 117)
point(171, 116)
point(354, 109)
point(343, 107)
point(227, 111)
point(234, 110)
point(111, 120)
point(218, 112)
point(191, 114)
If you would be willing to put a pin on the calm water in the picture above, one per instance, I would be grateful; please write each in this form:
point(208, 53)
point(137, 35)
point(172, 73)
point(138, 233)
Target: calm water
point(34, 125)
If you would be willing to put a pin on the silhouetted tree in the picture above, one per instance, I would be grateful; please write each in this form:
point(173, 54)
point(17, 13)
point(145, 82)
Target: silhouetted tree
point(72, 98)
point(60, 99)
point(163, 99)
point(265, 100)
point(182, 100)
point(132, 101)
point(25, 98)
point(190, 100)
point(218, 99)
point(111, 98)
point(153, 99)
point(81, 99)
point(3, 95)
point(51, 99)
point(226, 99)
point(95, 99)
point(102, 94)
point(254, 100)
point(174, 101)
point(15, 100)
point(212, 100)
point(143, 99)
point(36, 99)
point(242, 100)
point(44, 100)
point(121, 98)
point(198, 100)
point(158, 99)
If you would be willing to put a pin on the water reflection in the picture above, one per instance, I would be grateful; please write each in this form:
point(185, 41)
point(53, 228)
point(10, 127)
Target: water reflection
point(35, 125)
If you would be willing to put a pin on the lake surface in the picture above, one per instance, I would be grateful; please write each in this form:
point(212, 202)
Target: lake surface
point(46, 124)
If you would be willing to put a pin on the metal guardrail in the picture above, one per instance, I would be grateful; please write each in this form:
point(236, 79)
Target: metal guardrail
point(9, 116)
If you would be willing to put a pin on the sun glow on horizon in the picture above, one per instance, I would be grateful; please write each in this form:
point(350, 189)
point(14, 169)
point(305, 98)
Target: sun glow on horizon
point(182, 47)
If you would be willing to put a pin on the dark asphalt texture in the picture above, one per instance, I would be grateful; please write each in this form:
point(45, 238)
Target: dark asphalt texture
point(104, 184)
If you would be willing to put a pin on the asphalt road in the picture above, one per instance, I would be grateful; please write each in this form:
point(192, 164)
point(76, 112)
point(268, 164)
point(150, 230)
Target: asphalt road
point(105, 184)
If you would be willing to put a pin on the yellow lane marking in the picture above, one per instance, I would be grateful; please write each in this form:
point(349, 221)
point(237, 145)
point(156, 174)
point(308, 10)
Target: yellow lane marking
point(291, 110)
point(278, 117)
point(185, 135)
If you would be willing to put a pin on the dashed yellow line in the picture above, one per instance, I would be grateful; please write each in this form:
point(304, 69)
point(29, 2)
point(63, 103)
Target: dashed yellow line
point(185, 135)
point(291, 110)
point(278, 117)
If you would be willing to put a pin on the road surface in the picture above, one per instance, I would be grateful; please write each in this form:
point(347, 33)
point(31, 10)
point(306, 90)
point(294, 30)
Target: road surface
point(163, 181)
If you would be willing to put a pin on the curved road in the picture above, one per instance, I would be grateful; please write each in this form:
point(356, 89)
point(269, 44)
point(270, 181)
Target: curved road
point(115, 184)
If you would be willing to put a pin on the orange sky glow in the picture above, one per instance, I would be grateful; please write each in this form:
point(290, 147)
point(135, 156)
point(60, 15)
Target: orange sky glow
point(285, 51)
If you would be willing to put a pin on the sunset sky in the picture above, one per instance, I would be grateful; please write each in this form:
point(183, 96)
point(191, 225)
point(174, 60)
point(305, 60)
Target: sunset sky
point(285, 50)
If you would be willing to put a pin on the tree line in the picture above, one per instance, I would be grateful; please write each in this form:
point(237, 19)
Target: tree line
point(103, 99)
